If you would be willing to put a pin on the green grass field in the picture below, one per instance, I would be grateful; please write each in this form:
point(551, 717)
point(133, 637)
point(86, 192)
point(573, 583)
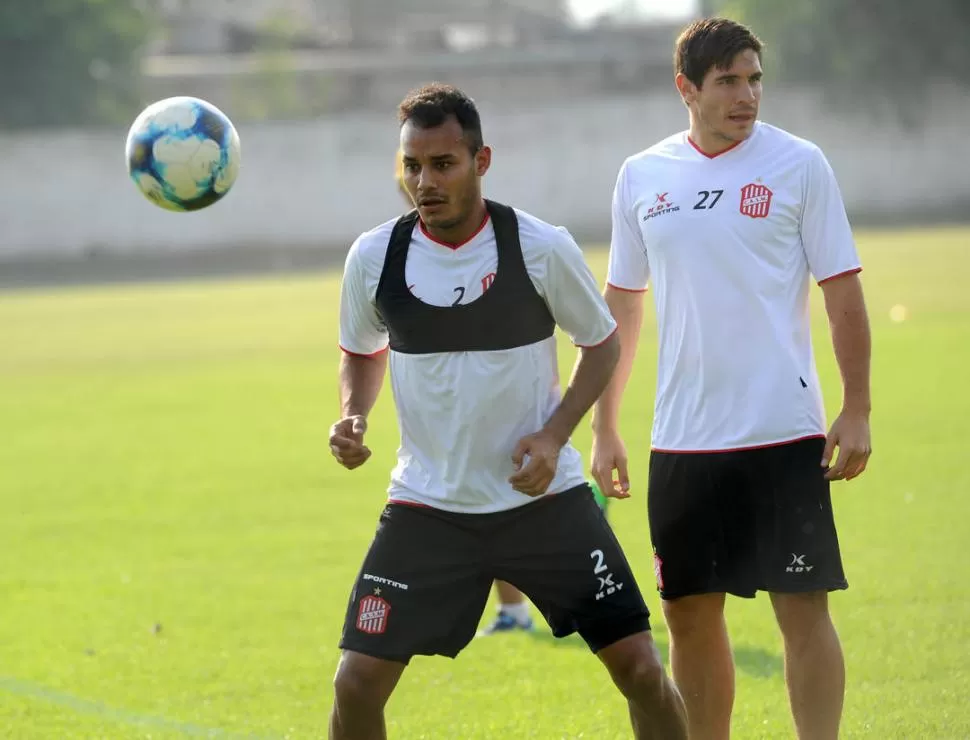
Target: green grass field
point(177, 545)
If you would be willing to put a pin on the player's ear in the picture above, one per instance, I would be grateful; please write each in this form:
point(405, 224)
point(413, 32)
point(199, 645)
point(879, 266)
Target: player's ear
point(686, 88)
point(483, 160)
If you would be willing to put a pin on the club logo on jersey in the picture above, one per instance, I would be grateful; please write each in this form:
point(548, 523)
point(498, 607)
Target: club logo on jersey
point(487, 281)
point(372, 615)
point(755, 200)
point(661, 206)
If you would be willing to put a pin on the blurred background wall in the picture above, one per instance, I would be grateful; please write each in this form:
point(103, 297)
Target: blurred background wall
point(567, 91)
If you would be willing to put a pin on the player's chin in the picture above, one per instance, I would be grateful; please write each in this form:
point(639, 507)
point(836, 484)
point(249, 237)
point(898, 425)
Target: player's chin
point(434, 213)
point(739, 128)
point(441, 220)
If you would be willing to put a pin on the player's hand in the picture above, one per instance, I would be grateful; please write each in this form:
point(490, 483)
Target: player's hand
point(850, 433)
point(534, 476)
point(347, 442)
point(609, 454)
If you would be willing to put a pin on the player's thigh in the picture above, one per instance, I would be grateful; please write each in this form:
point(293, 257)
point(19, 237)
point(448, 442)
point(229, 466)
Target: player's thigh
point(692, 509)
point(562, 553)
point(421, 589)
point(798, 543)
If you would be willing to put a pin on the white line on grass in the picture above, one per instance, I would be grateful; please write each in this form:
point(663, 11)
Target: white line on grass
point(121, 716)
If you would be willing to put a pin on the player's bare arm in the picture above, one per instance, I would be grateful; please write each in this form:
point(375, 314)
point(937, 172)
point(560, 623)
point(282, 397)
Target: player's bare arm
point(851, 340)
point(609, 452)
point(361, 378)
point(592, 373)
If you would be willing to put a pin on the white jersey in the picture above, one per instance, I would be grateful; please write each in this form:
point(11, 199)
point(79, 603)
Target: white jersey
point(729, 243)
point(461, 414)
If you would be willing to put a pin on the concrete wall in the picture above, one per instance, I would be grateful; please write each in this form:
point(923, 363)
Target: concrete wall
point(320, 183)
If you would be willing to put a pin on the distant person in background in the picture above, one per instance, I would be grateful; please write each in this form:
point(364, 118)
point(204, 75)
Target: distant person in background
point(730, 221)
point(462, 297)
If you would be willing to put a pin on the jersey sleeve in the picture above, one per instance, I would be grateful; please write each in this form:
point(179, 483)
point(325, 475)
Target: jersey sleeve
point(825, 230)
point(362, 332)
point(573, 296)
point(628, 265)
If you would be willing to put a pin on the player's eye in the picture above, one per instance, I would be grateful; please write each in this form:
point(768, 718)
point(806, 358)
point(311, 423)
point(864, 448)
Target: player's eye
point(444, 165)
point(412, 167)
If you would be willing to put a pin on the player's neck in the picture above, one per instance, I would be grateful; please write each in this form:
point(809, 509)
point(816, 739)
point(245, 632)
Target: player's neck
point(457, 235)
point(708, 142)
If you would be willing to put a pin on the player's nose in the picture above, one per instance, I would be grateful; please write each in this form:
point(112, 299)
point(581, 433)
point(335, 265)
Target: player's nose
point(426, 181)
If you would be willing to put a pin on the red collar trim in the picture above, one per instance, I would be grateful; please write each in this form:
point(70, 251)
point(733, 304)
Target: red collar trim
point(454, 246)
point(717, 154)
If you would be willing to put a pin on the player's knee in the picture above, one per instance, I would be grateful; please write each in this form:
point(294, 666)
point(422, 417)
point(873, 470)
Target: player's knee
point(350, 686)
point(361, 682)
point(647, 674)
point(694, 616)
point(801, 617)
point(636, 667)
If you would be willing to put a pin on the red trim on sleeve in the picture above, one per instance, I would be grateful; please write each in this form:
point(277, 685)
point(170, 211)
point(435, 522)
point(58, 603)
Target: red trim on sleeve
point(599, 344)
point(627, 290)
point(358, 354)
point(853, 271)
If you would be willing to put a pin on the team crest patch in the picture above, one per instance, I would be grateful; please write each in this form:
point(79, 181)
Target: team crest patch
point(658, 570)
point(755, 200)
point(372, 615)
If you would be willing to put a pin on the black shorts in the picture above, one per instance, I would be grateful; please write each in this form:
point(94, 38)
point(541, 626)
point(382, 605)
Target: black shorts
point(426, 579)
point(743, 521)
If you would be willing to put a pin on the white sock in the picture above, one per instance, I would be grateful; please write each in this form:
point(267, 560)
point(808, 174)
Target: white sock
point(519, 611)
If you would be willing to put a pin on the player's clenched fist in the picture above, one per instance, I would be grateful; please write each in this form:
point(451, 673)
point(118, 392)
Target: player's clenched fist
point(347, 442)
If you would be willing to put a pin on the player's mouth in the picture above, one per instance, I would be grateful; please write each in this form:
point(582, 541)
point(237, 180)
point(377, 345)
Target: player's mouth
point(742, 117)
point(432, 204)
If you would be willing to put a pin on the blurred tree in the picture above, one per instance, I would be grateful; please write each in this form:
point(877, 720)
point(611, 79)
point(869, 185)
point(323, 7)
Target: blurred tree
point(866, 52)
point(69, 62)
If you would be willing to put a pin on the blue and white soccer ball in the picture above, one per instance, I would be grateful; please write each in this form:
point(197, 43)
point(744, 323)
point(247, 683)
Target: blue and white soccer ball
point(183, 153)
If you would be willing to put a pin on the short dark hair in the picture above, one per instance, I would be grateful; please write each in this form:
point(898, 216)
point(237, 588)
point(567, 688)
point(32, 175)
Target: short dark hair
point(431, 105)
point(711, 42)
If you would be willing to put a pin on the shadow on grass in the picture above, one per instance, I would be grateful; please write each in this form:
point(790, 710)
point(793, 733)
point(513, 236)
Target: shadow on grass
point(758, 662)
point(754, 661)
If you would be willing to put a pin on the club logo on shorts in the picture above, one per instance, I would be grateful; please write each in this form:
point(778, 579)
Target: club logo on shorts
point(755, 200)
point(658, 570)
point(372, 615)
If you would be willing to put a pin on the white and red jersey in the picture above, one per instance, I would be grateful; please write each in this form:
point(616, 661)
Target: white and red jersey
point(728, 244)
point(462, 413)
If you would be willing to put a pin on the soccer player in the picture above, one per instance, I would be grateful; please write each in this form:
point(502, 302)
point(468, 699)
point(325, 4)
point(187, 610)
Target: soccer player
point(461, 298)
point(513, 609)
point(729, 221)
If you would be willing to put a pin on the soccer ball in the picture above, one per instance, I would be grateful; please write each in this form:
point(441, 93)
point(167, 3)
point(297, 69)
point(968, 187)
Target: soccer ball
point(183, 153)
